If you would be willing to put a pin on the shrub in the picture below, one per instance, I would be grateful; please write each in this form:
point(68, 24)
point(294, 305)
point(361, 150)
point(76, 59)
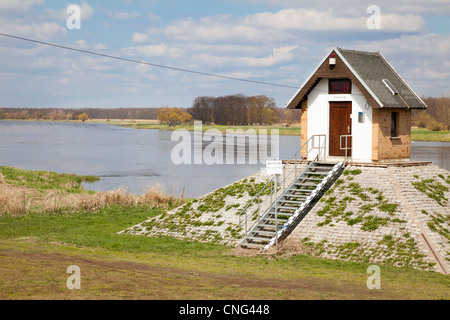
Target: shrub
point(434, 125)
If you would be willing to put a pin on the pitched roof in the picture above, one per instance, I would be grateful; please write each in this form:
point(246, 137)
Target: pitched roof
point(369, 69)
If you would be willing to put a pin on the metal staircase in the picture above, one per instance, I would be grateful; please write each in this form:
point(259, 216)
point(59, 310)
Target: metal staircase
point(290, 207)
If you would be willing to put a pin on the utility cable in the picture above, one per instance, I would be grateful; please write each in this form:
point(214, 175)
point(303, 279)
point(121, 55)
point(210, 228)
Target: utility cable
point(143, 62)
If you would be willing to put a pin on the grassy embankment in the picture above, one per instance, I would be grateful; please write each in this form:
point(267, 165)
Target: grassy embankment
point(293, 129)
point(39, 243)
point(417, 134)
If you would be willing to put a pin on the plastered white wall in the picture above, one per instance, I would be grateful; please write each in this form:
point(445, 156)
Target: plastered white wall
point(319, 117)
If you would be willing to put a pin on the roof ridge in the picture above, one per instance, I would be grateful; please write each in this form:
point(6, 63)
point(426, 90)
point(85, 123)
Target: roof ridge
point(358, 51)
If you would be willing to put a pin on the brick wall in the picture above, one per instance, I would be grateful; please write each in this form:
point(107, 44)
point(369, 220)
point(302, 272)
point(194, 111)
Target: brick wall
point(384, 147)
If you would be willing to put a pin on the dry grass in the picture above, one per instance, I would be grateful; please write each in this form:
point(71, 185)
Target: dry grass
point(158, 199)
point(59, 202)
point(15, 201)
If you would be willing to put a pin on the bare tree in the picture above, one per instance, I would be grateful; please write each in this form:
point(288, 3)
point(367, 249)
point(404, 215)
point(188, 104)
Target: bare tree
point(202, 109)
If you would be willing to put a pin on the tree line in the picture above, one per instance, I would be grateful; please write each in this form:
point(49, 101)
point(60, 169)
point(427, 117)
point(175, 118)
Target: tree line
point(235, 110)
point(231, 109)
point(73, 114)
point(437, 116)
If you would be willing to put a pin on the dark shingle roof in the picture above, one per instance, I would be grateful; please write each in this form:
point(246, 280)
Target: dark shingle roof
point(369, 68)
point(372, 68)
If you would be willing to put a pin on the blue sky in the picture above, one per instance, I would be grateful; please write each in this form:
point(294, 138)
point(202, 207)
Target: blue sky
point(263, 40)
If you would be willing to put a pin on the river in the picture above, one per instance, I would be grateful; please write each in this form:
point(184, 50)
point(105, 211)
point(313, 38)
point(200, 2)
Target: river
point(137, 159)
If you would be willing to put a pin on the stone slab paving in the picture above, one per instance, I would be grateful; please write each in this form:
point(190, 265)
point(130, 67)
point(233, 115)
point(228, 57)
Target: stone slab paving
point(396, 215)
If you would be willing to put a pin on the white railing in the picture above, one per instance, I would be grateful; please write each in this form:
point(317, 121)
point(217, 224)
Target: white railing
point(346, 147)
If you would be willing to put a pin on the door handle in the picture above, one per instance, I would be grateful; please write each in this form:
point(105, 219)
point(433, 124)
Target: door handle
point(348, 129)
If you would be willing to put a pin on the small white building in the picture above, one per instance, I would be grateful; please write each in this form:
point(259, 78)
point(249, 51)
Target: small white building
point(357, 106)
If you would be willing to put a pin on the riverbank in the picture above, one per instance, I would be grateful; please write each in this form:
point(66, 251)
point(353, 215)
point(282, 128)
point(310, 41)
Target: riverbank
point(417, 134)
point(421, 134)
point(37, 248)
point(294, 129)
point(283, 129)
point(28, 192)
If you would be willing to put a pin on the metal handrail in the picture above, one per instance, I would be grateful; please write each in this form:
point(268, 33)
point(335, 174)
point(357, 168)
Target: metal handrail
point(257, 196)
point(346, 136)
point(296, 159)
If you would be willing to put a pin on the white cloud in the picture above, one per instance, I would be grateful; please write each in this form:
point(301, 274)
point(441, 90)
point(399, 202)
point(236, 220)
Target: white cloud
point(278, 55)
point(124, 15)
point(153, 17)
point(40, 31)
point(86, 10)
point(355, 8)
point(312, 19)
point(139, 37)
point(61, 14)
point(100, 46)
point(279, 46)
point(19, 5)
point(82, 44)
point(412, 46)
point(152, 50)
point(283, 25)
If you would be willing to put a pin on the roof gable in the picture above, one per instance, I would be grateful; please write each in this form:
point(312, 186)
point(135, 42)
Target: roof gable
point(367, 71)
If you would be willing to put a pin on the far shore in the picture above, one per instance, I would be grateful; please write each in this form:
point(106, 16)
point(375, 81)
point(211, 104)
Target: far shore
point(417, 134)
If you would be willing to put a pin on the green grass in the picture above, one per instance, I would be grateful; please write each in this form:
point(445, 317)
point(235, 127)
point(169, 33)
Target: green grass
point(94, 236)
point(37, 248)
point(45, 180)
point(94, 229)
point(294, 130)
point(420, 134)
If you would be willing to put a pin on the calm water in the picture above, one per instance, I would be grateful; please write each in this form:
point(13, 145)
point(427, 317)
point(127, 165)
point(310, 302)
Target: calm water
point(138, 159)
point(121, 156)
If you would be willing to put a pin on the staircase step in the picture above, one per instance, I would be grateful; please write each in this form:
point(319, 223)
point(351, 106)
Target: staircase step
point(311, 179)
point(280, 214)
point(297, 198)
point(322, 169)
point(317, 173)
point(304, 190)
point(305, 184)
point(265, 239)
point(298, 195)
point(289, 201)
point(252, 245)
point(269, 226)
point(283, 221)
point(285, 208)
point(285, 204)
point(272, 233)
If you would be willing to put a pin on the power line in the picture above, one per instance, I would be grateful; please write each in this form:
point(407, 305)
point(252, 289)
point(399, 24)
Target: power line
point(143, 62)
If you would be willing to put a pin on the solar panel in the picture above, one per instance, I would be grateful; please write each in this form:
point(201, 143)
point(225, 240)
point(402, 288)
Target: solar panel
point(390, 86)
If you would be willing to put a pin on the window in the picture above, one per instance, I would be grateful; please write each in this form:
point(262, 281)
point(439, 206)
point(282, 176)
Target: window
point(394, 124)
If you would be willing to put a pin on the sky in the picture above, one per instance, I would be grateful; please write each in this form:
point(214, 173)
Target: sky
point(273, 41)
